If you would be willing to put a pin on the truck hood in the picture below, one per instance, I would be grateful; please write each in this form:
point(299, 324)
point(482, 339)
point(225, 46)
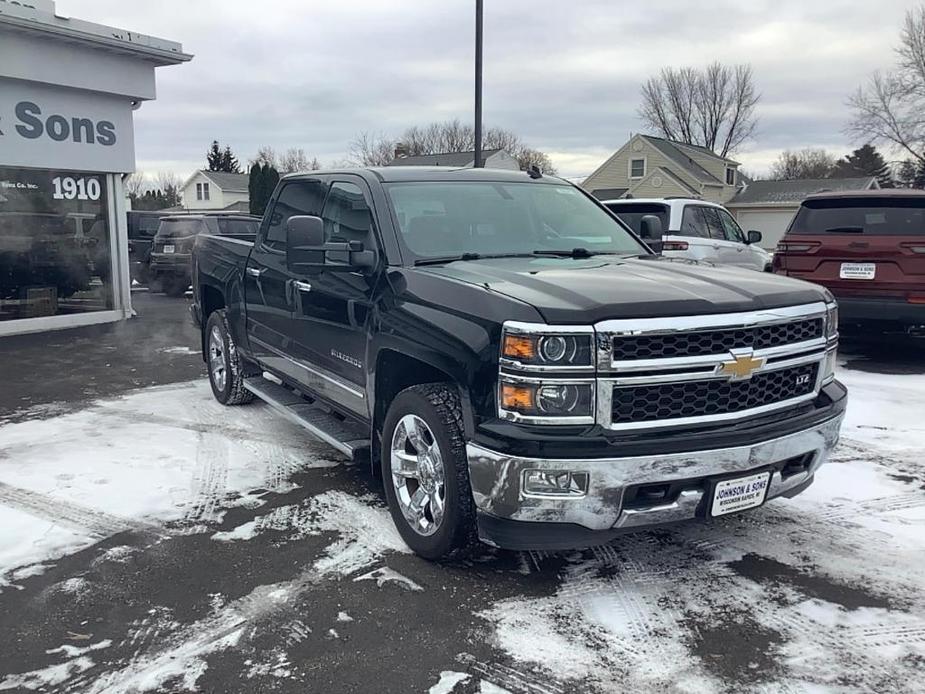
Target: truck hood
point(582, 291)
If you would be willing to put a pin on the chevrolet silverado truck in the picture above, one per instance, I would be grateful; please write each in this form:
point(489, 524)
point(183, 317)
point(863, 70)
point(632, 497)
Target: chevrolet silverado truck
point(513, 361)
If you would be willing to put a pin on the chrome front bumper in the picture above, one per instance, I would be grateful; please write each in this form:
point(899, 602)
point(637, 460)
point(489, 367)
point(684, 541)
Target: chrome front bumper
point(496, 480)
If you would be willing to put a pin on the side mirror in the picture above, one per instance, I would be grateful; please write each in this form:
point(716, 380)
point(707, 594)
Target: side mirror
point(754, 237)
point(651, 227)
point(307, 251)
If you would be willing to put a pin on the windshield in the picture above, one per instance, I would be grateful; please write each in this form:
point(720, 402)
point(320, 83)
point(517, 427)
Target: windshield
point(175, 228)
point(490, 218)
point(235, 227)
point(632, 214)
point(866, 216)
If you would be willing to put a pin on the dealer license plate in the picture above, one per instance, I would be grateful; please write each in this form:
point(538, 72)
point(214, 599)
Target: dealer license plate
point(169, 249)
point(739, 494)
point(857, 271)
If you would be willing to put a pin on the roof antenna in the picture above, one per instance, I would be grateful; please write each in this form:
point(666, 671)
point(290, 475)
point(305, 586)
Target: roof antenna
point(533, 171)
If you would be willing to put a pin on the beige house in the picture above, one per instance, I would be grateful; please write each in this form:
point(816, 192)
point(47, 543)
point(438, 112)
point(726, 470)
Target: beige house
point(652, 167)
point(216, 190)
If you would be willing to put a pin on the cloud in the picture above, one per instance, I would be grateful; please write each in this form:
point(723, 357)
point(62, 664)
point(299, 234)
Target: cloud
point(565, 76)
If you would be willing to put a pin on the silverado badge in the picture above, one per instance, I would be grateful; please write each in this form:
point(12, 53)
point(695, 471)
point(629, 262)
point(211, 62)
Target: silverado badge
point(743, 365)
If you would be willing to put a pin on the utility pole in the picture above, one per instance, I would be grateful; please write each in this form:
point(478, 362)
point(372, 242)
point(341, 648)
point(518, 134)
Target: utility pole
point(478, 85)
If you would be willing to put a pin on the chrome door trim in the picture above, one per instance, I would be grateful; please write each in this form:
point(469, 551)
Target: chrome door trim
point(317, 371)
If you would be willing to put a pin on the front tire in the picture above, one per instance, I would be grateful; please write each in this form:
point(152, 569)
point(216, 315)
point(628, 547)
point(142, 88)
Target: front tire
point(227, 369)
point(426, 473)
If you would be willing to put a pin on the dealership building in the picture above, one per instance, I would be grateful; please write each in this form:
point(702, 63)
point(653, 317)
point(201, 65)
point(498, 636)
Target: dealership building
point(68, 92)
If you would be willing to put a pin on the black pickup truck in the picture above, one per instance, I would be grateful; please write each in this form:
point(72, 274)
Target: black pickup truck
point(513, 361)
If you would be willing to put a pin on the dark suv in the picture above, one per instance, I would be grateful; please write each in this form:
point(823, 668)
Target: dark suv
point(868, 248)
point(173, 244)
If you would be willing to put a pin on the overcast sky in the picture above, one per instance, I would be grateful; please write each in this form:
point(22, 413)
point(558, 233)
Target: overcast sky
point(564, 75)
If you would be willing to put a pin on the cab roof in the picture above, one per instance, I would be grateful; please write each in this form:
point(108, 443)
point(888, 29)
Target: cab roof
point(396, 174)
point(864, 194)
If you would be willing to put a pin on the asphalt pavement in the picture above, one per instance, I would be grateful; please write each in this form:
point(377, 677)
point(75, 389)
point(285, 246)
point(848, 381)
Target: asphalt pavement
point(297, 584)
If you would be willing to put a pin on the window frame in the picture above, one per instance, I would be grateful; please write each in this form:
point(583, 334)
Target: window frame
point(721, 229)
point(731, 170)
point(360, 184)
point(738, 233)
point(645, 168)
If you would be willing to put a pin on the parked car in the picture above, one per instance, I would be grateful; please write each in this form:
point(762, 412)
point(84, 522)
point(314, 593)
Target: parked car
point(39, 249)
point(513, 361)
point(693, 229)
point(868, 249)
point(142, 227)
point(173, 244)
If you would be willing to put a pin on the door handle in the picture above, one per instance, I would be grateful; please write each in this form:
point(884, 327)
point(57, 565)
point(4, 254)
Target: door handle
point(255, 271)
point(302, 286)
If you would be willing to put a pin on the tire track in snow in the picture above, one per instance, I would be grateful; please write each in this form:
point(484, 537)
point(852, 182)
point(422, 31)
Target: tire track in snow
point(98, 524)
point(515, 680)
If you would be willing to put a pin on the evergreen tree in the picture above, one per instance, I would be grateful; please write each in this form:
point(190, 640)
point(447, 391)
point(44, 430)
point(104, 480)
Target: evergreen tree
point(214, 157)
point(261, 183)
point(254, 187)
point(230, 161)
point(865, 161)
point(919, 181)
point(218, 159)
point(906, 173)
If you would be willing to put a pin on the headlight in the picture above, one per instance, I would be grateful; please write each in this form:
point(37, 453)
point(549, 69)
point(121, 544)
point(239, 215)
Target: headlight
point(566, 402)
point(546, 351)
point(831, 320)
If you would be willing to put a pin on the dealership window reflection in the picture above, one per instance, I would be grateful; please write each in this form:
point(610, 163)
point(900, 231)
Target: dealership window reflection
point(54, 243)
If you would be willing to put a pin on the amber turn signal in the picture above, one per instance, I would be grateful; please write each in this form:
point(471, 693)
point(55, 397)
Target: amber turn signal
point(519, 347)
point(517, 398)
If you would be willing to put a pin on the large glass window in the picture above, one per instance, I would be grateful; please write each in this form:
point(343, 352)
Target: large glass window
point(443, 219)
point(869, 216)
point(54, 243)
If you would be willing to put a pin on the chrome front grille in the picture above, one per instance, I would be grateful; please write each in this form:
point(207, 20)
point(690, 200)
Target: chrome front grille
point(692, 399)
point(683, 371)
point(702, 342)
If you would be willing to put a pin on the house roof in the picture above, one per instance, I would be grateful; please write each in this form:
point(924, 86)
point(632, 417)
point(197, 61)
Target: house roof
point(444, 159)
point(609, 193)
point(677, 179)
point(231, 182)
point(783, 192)
point(675, 152)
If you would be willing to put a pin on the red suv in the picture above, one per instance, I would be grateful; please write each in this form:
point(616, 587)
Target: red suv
point(867, 248)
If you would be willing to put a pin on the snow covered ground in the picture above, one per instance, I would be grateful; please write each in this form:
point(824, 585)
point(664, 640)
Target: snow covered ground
point(824, 592)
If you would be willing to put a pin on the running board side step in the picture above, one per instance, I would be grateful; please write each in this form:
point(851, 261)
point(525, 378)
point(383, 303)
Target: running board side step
point(349, 437)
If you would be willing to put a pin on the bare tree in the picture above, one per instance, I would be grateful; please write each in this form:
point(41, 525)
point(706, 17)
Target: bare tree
point(806, 163)
point(371, 149)
point(891, 107)
point(440, 138)
point(713, 107)
point(168, 183)
point(295, 159)
point(136, 184)
point(265, 155)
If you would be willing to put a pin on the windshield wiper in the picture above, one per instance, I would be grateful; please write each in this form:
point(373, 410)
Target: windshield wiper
point(573, 253)
point(845, 230)
point(469, 256)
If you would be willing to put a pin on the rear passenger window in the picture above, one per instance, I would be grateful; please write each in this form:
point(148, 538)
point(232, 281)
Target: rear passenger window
point(301, 197)
point(693, 223)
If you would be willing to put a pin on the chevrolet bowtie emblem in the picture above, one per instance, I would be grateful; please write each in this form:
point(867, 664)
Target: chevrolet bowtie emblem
point(742, 366)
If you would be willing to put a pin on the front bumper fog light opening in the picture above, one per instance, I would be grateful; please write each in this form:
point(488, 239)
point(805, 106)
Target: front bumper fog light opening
point(556, 484)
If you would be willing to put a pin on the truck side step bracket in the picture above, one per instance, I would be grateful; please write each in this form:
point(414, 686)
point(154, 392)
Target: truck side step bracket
point(349, 437)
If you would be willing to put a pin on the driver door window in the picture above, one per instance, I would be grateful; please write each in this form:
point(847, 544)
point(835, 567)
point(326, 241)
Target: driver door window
point(732, 230)
point(347, 217)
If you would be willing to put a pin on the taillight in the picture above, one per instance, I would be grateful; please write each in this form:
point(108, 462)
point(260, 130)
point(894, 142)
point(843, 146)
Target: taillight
point(916, 298)
point(792, 247)
point(675, 246)
point(914, 247)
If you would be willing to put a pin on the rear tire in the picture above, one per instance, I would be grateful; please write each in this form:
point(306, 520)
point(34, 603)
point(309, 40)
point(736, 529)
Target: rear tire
point(425, 471)
point(227, 369)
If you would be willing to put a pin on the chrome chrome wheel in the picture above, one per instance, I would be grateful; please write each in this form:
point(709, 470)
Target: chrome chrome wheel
point(417, 475)
point(218, 367)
